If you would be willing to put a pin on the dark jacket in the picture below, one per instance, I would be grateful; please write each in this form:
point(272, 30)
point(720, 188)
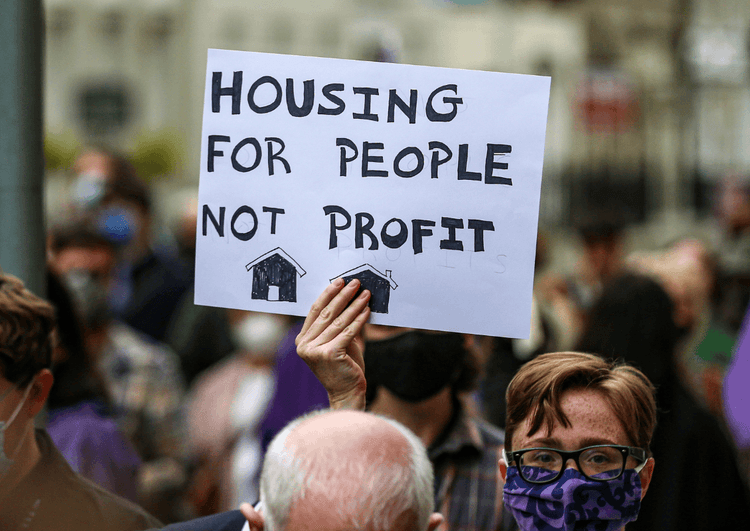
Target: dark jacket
point(228, 521)
point(53, 497)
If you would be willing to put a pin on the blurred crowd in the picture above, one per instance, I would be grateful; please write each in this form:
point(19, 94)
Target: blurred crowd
point(172, 405)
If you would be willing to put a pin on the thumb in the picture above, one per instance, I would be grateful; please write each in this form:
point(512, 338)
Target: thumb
point(254, 517)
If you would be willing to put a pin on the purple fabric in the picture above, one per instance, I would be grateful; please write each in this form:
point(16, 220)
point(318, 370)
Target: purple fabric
point(297, 389)
point(736, 391)
point(95, 448)
point(573, 502)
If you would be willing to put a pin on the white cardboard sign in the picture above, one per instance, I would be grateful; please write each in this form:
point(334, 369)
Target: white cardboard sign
point(422, 182)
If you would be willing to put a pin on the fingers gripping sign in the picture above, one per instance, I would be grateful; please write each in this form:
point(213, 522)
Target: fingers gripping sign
point(331, 343)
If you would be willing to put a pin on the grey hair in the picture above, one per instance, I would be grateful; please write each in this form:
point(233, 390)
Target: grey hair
point(390, 489)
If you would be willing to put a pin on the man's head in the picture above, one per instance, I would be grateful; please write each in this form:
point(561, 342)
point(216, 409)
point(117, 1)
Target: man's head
point(110, 177)
point(26, 327)
point(734, 204)
point(347, 471)
point(85, 259)
point(108, 189)
point(602, 240)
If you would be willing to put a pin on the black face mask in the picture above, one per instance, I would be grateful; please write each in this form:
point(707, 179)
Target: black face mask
point(414, 365)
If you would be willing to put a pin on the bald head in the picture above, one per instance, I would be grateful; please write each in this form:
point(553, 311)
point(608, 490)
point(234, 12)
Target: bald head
point(360, 436)
point(346, 470)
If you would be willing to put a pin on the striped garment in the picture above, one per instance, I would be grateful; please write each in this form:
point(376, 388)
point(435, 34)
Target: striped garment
point(468, 485)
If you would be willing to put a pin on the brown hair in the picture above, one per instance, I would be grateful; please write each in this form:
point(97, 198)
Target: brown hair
point(122, 179)
point(537, 388)
point(26, 326)
point(78, 233)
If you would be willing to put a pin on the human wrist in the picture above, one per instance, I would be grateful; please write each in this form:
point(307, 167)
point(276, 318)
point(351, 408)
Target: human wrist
point(351, 400)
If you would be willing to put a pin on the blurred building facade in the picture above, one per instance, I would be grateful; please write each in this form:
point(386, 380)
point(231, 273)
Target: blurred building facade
point(650, 99)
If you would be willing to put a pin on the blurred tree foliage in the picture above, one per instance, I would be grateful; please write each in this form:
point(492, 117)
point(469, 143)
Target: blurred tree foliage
point(157, 153)
point(60, 150)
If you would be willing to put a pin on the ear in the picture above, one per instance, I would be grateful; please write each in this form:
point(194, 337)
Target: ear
point(435, 520)
point(39, 392)
point(503, 466)
point(254, 517)
point(645, 475)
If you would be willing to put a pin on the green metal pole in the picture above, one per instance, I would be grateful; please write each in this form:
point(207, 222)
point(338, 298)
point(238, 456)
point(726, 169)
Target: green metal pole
point(21, 152)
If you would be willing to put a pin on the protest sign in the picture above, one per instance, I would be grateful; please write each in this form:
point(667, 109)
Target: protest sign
point(422, 182)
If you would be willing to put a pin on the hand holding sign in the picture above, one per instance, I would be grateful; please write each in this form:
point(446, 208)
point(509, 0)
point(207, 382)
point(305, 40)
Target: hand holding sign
point(331, 343)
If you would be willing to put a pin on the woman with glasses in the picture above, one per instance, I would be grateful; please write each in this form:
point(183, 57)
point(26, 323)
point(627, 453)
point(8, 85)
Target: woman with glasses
point(577, 443)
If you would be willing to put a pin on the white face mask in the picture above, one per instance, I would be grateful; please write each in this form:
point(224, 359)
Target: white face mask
point(259, 334)
point(5, 461)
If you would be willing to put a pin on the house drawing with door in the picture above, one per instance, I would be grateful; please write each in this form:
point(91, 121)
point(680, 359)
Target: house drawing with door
point(275, 276)
point(379, 284)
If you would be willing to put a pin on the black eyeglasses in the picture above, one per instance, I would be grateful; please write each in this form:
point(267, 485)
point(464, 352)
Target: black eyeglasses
point(603, 462)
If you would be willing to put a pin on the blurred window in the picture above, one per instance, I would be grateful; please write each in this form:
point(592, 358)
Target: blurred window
point(104, 108)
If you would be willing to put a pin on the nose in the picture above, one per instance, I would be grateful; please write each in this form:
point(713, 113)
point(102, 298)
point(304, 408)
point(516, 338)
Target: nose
point(571, 463)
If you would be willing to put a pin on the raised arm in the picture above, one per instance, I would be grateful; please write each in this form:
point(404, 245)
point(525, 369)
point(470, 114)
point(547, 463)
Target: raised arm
point(331, 343)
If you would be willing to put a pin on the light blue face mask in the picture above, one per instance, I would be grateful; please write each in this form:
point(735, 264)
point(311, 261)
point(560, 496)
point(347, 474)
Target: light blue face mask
point(5, 461)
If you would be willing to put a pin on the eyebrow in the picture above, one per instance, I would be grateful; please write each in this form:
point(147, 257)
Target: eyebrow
point(553, 442)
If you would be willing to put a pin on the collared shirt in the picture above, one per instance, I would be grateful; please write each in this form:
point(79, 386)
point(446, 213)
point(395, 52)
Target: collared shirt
point(468, 485)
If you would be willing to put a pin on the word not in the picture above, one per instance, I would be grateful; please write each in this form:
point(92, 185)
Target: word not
point(416, 155)
point(364, 222)
point(243, 210)
point(329, 93)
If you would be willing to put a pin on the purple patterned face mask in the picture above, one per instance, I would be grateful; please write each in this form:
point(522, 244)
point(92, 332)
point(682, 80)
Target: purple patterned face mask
point(573, 502)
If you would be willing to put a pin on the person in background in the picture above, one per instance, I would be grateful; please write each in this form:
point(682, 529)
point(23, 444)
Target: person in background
point(733, 213)
point(142, 377)
point(38, 489)
point(418, 378)
point(633, 320)
point(79, 418)
point(225, 408)
point(602, 259)
point(577, 455)
point(688, 273)
point(568, 299)
point(147, 284)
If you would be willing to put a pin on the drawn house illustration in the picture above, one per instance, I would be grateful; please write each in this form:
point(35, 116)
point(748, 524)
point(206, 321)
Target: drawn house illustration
point(379, 284)
point(275, 276)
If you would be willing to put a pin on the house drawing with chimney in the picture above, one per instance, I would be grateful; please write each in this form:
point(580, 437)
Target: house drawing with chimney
point(275, 276)
point(379, 284)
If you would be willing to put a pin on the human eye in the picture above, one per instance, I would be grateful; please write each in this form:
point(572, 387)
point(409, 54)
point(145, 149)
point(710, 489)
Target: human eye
point(602, 457)
point(541, 458)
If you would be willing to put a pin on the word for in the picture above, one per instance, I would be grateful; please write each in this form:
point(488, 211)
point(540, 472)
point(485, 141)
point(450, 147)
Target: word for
point(243, 210)
point(394, 232)
point(271, 155)
point(329, 92)
point(350, 153)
